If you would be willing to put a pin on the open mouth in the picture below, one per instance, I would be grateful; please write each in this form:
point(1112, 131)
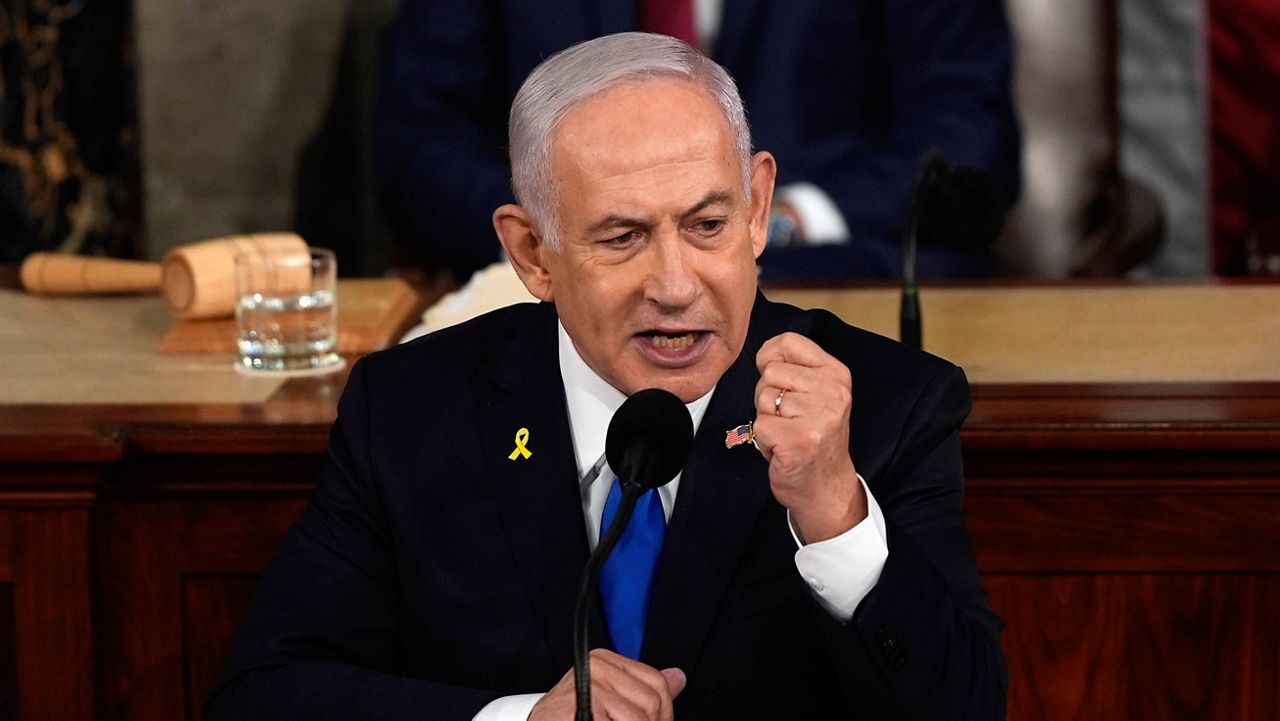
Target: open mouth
point(675, 342)
point(671, 348)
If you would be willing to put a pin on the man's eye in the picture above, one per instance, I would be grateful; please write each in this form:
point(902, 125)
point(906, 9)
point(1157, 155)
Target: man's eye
point(622, 240)
point(710, 226)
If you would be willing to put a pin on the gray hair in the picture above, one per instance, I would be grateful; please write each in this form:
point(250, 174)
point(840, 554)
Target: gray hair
point(572, 76)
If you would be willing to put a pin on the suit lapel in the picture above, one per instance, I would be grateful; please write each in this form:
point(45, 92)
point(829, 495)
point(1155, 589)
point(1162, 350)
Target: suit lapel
point(722, 492)
point(538, 496)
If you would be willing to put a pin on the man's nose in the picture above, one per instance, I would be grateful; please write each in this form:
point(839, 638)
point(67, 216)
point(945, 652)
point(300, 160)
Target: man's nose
point(672, 281)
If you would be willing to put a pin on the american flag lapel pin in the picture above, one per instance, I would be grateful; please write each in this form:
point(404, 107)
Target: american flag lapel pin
point(737, 436)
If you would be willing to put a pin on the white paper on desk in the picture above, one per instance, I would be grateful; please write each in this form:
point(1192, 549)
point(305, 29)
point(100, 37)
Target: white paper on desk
point(490, 288)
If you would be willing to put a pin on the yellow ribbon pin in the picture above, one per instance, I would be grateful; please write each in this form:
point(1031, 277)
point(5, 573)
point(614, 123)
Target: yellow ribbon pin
point(522, 437)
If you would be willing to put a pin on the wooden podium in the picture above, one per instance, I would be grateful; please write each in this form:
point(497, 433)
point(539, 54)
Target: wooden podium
point(1122, 466)
point(1122, 456)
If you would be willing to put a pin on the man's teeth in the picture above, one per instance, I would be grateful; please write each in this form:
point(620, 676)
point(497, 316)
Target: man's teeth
point(673, 342)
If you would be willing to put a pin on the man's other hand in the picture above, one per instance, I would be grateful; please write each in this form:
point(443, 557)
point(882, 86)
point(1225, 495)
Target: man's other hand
point(805, 436)
point(621, 690)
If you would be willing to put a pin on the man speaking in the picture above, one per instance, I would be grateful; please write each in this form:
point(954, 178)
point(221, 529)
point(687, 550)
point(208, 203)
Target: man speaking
point(807, 563)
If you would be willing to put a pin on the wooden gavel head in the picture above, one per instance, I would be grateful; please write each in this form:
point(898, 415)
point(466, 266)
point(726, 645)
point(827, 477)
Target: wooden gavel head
point(199, 280)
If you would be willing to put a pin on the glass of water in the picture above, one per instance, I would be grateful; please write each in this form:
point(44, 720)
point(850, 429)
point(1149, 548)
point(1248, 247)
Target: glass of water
point(287, 312)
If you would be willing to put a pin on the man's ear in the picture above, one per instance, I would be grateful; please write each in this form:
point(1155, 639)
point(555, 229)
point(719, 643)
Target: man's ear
point(764, 170)
point(525, 248)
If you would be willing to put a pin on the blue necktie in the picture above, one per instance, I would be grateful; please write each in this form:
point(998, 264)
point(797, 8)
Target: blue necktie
point(627, 577)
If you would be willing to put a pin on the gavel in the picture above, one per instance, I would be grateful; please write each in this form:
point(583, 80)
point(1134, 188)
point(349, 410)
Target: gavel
point(196, 280)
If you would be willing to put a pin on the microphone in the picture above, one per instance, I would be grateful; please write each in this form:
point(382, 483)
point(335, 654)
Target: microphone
point(950, 206)
point(932, 165)
point(647, 444)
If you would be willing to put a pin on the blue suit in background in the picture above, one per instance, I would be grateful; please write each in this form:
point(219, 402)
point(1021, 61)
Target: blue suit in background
point(847, 94)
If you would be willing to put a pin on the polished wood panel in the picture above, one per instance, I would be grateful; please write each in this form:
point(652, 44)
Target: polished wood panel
point(1099, 531)
point(6, 548)
point(1126, 532)
point(162, 629)
point(8, 664)
point(1128, 535)
point(51, 607)
point(1149, 646)
point(1109, 502)
point(210, 608)
point(8, 624)
point(46, 495)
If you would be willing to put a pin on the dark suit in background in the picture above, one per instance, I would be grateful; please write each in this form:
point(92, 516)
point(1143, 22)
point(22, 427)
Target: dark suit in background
point(431, 573)
point(847, 94)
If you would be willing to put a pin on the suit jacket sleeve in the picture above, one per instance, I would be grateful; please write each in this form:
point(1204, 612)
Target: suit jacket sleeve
point(923, 644)
point(441, 129)
point(321, 638)
point(948, 66)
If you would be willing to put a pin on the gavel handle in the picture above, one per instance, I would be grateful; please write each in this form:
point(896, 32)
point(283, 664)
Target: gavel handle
point(64, 274)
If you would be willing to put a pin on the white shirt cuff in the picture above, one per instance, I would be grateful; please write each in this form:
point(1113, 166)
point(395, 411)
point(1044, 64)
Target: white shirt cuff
point(509, 708)
point(819, 216)
point(841, 571)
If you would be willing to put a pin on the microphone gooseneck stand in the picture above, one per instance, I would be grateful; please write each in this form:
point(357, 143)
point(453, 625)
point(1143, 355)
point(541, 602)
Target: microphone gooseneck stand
point(933, 165)
point(590, 573)
point(909, 322)
point(954, 207)
point(642, 470)
point(647, 444)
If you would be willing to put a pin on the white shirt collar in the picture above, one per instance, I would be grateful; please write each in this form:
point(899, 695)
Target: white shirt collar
point(591, 402)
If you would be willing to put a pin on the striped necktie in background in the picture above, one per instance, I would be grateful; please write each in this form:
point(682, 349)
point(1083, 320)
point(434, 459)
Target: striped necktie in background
point(670, 17)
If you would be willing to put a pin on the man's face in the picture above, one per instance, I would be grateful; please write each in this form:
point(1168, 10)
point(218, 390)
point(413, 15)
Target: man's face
point(656, 274)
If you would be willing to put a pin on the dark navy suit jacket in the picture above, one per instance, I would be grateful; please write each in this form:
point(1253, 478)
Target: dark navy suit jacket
point(848, 94)
point(431, 573)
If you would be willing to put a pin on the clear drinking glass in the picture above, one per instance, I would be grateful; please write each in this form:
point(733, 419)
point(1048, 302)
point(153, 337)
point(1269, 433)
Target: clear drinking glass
point(287, 312)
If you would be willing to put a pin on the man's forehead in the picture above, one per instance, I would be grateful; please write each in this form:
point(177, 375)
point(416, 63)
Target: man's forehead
point(642, 136)
point(625, 116)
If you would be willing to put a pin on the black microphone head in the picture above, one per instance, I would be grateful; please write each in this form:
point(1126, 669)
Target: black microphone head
point(955, 206)
point(649, 438)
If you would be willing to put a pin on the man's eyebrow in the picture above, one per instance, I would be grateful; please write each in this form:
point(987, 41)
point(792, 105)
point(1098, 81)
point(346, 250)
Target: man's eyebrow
point(613, 220)
point(616, 221)
point(715, 197)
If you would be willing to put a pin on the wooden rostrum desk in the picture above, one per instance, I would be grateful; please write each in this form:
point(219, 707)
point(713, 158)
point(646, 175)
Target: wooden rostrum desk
point(1123, 495)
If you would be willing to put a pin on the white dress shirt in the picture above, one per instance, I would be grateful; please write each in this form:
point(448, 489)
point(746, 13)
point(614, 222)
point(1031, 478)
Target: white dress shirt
point(841, 571)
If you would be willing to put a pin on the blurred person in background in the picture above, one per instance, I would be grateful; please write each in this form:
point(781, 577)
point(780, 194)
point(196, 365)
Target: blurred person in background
point(848, 94)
